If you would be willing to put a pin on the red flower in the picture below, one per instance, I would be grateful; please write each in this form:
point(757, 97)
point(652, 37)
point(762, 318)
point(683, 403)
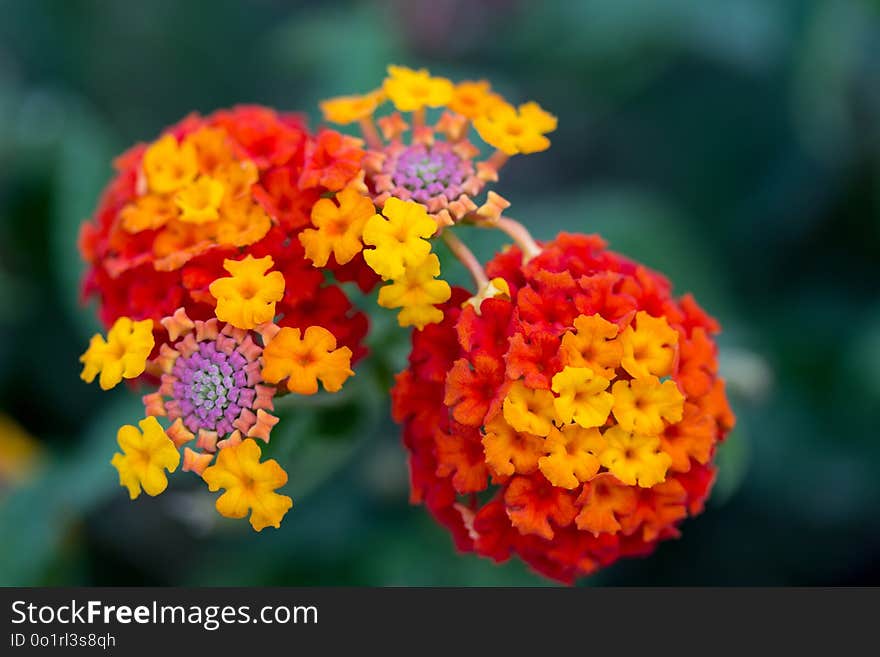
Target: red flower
point(474, 391)
point(332, 161)
point(458, 375)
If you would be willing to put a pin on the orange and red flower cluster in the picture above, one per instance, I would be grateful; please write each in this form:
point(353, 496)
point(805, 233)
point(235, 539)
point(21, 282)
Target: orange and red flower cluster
point(240, 181)
point(571, 421)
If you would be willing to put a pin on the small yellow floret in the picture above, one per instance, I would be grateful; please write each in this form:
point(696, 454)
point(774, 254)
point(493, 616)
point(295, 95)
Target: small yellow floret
point(642, 405)
point(399, 237)
point(515, 131)
point(145, 457)
point(529, 410)
point(199, 202)
point(634, 458)
point(582, 397)
point(417, 291)
point(249, 485)
point(169, 165)
point(122, 356)
point(650, 347)
point(247, 298)
point(411, 90)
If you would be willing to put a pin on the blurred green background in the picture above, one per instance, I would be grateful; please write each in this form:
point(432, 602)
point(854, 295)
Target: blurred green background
point(734, 145)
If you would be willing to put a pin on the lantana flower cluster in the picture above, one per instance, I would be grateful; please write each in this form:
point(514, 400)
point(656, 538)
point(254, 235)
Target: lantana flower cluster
point(572, 421)
point(218, 379)
point(421, 176)
point(240, 181)
point(195, 258)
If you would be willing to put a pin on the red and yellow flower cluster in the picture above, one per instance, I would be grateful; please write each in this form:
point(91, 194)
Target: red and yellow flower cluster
point(179, 254)
point(240, 181)
point(218, 379)
point(571, 421)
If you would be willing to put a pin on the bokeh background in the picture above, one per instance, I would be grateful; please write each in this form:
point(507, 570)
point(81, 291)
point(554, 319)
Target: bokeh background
point(732, 144)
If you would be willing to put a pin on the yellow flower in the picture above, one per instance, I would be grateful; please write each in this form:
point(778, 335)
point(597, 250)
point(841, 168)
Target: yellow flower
point(145, 457)
point(641, 405)
point(304, 360)
point(339, 227)
point(508, 450)
point(529, 410)
point(147, 213)
point(634, 458)
point(247, 298)
point(199, 202)
point(650, 347)
point(572, 455)
point(347, 109)
point(123, 355)
point(169, 165)
point(473, 98)
point(399, 237)
point(416, 292)
point(512, 131)
point(249, 485)
point(592, 345)
point(411, 90)
point(582, 397)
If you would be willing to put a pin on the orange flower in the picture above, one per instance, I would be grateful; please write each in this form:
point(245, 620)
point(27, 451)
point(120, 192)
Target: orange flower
point(147, 213)
point(509, 451)
point(460, 455)
point(603, 500)
point(692, 438)
point(473, 98)
point(331, 161)
point(532, 502)
point(305, 359)
point(592, 345)
point(338, 228)
point(572, 455)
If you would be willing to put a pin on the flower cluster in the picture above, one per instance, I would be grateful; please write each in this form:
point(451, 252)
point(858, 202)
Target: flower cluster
point(224, 195)
point(573, 421)
point(421, 178)
point(211, 188)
